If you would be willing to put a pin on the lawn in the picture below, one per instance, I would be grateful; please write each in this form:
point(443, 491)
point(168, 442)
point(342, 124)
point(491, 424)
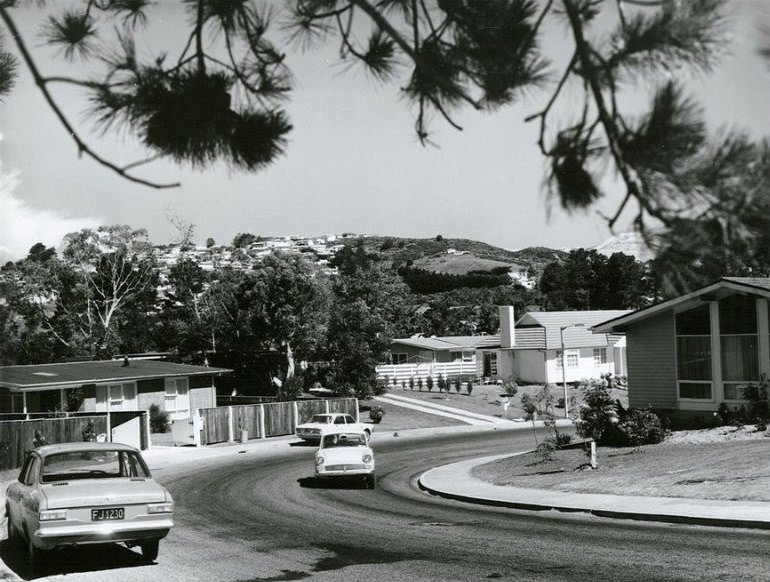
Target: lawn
point(488, 398)
point(398, 418)
point(722, 464)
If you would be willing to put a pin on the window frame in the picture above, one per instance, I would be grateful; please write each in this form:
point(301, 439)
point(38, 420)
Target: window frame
point(602, 357)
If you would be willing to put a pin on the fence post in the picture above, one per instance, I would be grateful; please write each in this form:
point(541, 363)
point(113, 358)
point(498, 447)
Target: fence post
point(196, 427)
point(357, 412)
point(296, 415)
point(147, 430)
point(261, 417)
point(326, 406)
point(230, 432)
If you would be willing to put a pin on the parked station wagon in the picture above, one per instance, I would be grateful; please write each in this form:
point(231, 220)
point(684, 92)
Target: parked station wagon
point(320, 423)
point(87, 493)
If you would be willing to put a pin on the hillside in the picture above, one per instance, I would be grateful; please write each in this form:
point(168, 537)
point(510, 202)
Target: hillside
point(431, 254)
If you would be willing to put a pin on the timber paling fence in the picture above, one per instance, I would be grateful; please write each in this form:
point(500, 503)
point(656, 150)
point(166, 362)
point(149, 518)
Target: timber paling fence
point(19, 436)
point(226, 423)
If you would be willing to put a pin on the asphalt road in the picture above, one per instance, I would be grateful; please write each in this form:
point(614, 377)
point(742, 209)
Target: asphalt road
point(262, 518)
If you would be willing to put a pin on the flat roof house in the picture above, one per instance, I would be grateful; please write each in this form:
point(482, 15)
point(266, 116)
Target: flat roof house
point(97, 386)
point(699, 350)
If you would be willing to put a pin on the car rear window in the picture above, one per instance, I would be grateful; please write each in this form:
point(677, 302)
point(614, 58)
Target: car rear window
point(92, 465)
point(321, 418)
point(344, 440)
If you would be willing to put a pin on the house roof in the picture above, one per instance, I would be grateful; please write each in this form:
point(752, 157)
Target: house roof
point(449, 343)
point(727, 285)
point(63, 375)
point(576, 325)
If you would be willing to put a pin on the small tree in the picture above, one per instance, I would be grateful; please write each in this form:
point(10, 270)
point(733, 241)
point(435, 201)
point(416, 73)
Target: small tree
point(411, 382)
point(158, 419)
point(510, 387)
point(469, 387)
point(442, 385)
point(458, 384)
point(419, 384)
point(599, 415)
point(376, 413)
point(429, 383)
point(529, 405)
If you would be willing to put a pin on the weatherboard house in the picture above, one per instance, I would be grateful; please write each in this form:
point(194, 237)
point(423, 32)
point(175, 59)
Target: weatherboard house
point(539, 348)
point(109, 385)
point(692, 353)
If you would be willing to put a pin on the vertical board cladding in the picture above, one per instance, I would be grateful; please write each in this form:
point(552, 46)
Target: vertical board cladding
point(307, 408)
point(651, 361)
point(246, 418)
point(146, 399)
point(279, 418)
point(19, 436)
point(215, 425)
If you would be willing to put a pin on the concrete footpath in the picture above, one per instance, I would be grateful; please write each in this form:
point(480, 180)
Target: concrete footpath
point(455, 481)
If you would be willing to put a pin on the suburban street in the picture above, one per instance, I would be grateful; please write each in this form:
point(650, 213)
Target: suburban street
point(261, 517)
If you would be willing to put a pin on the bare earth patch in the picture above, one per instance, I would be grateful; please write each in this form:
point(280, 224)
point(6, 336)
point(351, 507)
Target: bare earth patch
point(722, 463)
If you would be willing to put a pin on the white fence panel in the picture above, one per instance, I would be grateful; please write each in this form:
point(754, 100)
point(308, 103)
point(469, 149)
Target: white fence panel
point(402, 372)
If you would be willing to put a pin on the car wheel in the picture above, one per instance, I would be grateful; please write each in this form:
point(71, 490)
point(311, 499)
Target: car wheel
point(35, 556)
point(371, 482)
point(368, 434)
point(150, 549)
point(13, 536)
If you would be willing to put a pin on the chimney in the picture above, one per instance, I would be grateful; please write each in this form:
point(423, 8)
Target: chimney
point(507, 331)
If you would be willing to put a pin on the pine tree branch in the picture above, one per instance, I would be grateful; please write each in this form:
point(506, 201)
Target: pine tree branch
point(40, 81)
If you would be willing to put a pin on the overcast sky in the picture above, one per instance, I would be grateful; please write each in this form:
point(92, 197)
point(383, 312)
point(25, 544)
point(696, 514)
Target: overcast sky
point(352, 165)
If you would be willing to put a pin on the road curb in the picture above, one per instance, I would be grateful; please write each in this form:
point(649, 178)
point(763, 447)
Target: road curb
point(447, 493)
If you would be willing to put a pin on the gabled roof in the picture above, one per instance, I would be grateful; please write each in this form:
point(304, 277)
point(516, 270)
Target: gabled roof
point(69, 374)
point(759, 286)
point(577, 327)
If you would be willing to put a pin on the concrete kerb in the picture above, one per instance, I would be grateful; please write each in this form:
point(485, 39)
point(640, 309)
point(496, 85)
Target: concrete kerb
point(454, 481)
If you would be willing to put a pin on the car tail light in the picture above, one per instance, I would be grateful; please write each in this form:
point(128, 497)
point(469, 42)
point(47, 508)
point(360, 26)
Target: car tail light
point(367, 458)
point(166, 507)
point(319, 460)
point(53, 514)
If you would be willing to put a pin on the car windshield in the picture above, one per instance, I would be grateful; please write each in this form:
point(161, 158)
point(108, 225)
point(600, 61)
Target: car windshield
point(98, 464)
point(344, 440)
point(321, 419)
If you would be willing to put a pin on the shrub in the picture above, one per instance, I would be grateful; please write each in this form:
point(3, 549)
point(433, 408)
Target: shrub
point(546, 448)
point(411, 382)
point(758, 409)
point(545, 399)
point(642, 426)
point(599, 416)
point(469, 387)
point(458, 384)
point(419, 384)
point(510, 387)
point(158, 419)
point(441, 383)
point(376, 413)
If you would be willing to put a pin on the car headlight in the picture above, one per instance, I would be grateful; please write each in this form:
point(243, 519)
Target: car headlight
point(319, 460)
point(52, 514)
point(367, 458)
point(165, 507)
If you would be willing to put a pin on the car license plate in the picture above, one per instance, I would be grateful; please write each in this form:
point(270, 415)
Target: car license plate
point(108, 513)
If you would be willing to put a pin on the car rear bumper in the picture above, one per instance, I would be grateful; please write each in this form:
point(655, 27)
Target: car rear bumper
point(49, 536)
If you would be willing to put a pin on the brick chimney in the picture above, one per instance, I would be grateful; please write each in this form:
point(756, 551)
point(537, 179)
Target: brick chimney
point(507, 331)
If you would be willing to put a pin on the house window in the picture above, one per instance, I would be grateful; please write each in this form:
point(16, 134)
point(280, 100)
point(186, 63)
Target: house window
point(600, 356)
point(117, 396)
point(399, 358)
point(739, 344)
point(464, 356)
point(693, 353)
point(572, 357)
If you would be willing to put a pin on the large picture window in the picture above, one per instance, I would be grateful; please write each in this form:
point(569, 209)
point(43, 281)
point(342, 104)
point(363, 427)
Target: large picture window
point(739, 344)
point(693, 353)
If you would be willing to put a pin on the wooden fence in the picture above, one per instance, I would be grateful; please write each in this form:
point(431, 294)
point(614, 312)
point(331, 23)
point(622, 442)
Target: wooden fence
point(19, 436)
point(226, 423)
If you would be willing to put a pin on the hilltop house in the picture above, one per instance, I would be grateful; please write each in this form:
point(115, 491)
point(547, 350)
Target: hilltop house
point(109, 386)
point(529, 350)
point(692, 353)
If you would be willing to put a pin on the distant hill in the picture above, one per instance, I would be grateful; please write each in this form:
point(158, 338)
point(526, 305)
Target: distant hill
point(628, 243)
point(468, 255)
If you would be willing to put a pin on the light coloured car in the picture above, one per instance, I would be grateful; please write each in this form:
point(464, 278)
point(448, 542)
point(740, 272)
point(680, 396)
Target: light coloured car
point(345, 453)
point(320, 423)
point(86, 493)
